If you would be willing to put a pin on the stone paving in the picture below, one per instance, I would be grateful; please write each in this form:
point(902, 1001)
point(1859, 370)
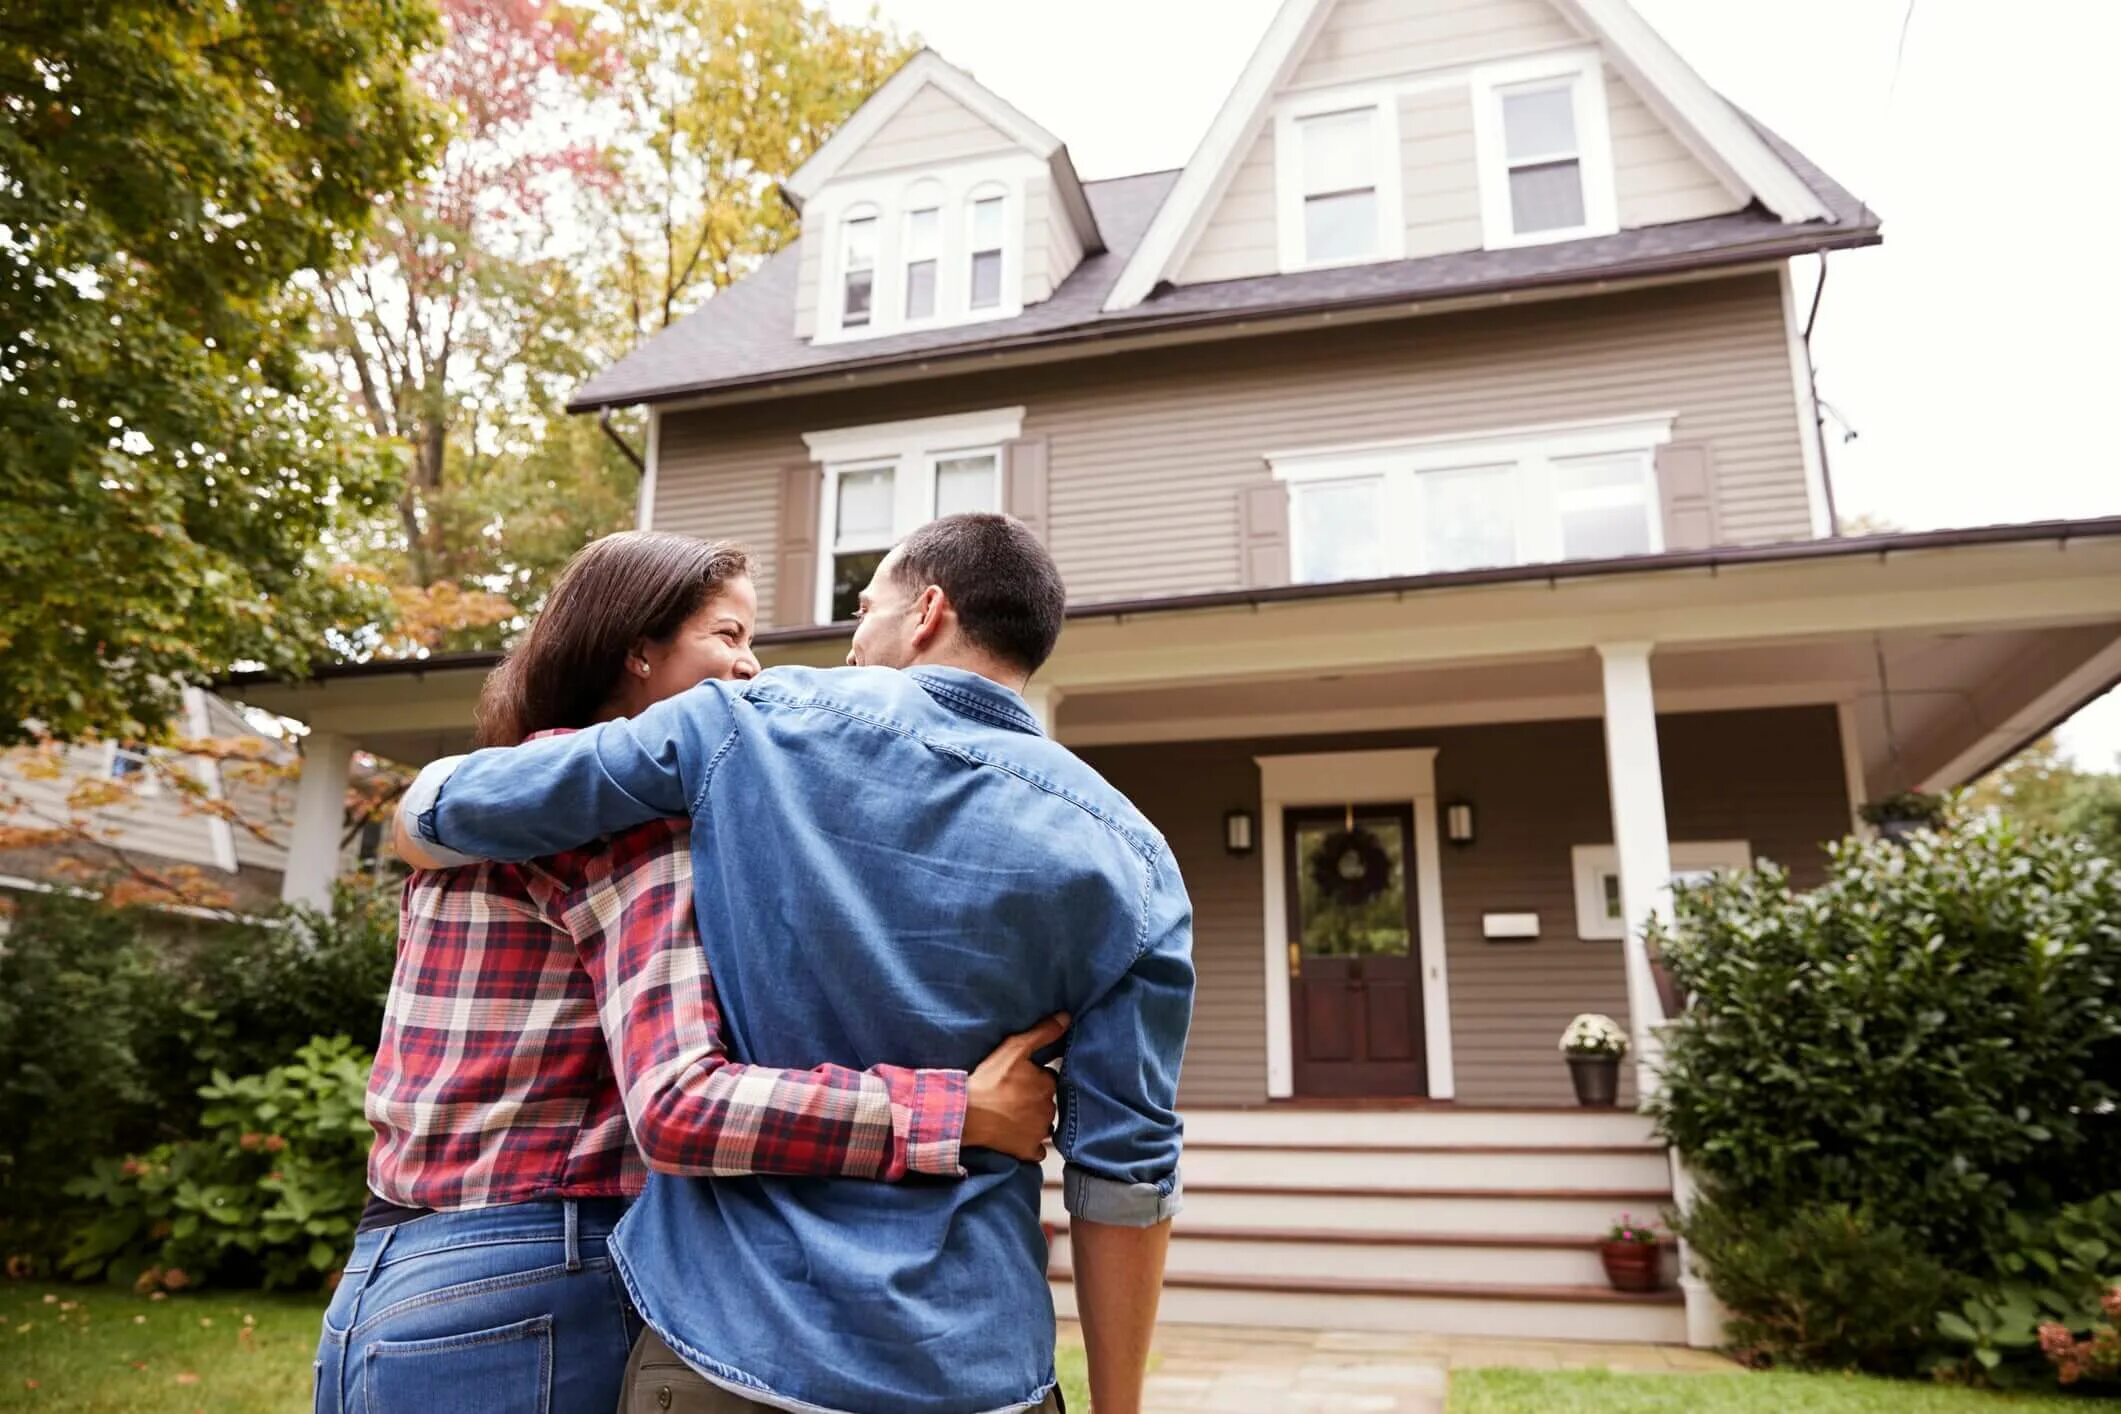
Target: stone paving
point(1248, 1370)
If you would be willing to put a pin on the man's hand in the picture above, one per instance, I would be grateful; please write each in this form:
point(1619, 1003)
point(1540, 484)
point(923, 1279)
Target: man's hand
point(1009, 1104)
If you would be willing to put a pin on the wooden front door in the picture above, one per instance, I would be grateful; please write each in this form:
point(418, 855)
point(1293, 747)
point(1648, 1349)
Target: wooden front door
point(1354, 967)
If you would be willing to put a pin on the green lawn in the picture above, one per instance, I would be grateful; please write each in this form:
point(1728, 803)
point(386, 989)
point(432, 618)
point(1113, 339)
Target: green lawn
point(102, 1350)
point(1601, 1392)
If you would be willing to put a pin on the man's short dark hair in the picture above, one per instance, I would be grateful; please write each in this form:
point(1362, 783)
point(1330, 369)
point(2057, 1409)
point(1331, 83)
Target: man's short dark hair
point(1004, 585)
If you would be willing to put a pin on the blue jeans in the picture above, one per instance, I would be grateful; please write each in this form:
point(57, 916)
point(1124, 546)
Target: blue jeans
point(507, 1310)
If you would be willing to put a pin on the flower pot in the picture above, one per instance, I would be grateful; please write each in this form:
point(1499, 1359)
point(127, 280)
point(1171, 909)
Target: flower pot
point(1632, 1266)
point(1597, 1080)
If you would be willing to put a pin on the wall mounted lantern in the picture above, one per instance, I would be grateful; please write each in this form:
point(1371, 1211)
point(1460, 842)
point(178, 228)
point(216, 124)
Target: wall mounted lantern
point(1458, 822)
point(1238, 831)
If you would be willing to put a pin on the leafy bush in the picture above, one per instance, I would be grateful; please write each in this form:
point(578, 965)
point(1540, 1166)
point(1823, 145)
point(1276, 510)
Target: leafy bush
point(1821, 1285)
point(270, 1191)
point(111, 1021)
point(2058, 1276)
point(1928, 1038)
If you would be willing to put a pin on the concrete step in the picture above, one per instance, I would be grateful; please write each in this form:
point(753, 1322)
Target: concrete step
point(1366, 1304)
point(1304, 1126)
point(1620, 1168)
point(1284, 1255)
point(1408, 1209)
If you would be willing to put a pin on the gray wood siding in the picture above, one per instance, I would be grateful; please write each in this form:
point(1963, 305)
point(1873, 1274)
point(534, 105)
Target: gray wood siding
point(1374, 39)
point(1771, 777)
point(809, 269)
point(1239, 240)
point(1149, 451)
point(931, 129)
point(1656, 180)
point(157, 823)
point(1439, 171)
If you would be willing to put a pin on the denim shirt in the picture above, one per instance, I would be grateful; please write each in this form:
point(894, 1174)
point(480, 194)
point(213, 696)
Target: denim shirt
point(891, 868)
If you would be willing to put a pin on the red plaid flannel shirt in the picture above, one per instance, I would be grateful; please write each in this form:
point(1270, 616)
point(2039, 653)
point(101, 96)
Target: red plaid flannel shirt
point(541, 1010)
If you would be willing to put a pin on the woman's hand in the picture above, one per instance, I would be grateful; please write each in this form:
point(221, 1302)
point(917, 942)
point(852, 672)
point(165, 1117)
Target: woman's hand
point(1009, 1103)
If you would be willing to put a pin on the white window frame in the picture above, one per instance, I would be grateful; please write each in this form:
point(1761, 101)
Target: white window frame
point(149, 781)
point(912, 449)
point(860, 211)
point(1593, 864)
point(1584, 72)
point(892, 196)
point(1289, 173)
point(1533, 451)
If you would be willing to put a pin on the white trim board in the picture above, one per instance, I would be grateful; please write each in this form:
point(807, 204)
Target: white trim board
point(1811, 437)
point(1727, 144)
point(1334, 778)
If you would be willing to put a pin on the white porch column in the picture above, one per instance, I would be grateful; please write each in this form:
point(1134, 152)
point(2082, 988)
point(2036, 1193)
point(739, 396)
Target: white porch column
point(1044, 702)
point(1640, 837)
point(320, 819)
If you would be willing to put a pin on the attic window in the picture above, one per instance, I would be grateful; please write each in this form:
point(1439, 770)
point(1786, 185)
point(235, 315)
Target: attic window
point(985, 244)
point(1340, 186)
point(1545, 155)
point(858, 283)
point(924, 235)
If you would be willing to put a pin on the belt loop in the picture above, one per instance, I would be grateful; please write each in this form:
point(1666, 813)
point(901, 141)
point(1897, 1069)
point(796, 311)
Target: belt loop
point(375, 1264)
point(574, 1240)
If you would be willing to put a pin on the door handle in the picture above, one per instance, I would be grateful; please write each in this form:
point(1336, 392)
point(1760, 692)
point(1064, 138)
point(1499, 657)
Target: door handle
point(1296, 960)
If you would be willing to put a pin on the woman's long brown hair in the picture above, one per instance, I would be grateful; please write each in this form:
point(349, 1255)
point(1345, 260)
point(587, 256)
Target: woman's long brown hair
point(634, 586)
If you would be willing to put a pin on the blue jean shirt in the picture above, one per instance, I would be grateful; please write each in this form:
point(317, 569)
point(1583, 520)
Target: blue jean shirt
point(890, 868)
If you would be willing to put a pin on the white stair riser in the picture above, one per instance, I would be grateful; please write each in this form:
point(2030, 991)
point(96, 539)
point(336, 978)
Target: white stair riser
point(1508, 1217)
point(1315, 1310)
point(1472, 1168)
point(1298, 1128)
point(1441, 1263)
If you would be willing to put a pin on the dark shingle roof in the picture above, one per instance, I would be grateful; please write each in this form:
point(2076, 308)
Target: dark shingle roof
point(745, 336)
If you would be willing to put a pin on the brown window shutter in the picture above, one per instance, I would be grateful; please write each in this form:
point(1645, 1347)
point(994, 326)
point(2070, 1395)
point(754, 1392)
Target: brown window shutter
point(1024, 483)
point(795, 559)
point(1689, 495)
point(1264, 528)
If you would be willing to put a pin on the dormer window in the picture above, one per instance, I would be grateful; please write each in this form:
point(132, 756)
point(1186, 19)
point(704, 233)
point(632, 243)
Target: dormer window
point(1545, 155)
point(858, 266)
point(985, 240)
point(1336, 162)
point(924, 241)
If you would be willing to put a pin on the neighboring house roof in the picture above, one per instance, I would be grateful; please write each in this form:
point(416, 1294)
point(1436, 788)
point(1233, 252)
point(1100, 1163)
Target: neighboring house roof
point(929, 69)
point(745, 336)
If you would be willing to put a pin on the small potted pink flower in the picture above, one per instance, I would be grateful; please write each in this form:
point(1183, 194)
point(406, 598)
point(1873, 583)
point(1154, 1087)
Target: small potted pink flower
point(1632, 1255)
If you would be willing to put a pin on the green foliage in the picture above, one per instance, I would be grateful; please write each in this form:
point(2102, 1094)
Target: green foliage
point(2044, 790)
point(168, 460)
point(1820, 1284)
point(2057, 1272)
point(1929, 1038)
point(270, 1191)
point(112, 1020)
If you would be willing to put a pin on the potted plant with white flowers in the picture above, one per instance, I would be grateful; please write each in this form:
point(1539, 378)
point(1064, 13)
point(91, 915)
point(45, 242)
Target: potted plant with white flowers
point(1594, 1045)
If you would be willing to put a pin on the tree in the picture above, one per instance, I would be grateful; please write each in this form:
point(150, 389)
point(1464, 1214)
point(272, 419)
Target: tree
point(2043, 788)
point(169, 464)
point(719, 100)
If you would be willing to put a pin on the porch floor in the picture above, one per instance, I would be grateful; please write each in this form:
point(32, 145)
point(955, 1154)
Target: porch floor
point(1240, 1368)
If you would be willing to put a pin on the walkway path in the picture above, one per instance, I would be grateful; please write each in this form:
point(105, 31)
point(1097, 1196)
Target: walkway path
point(1245, 1370)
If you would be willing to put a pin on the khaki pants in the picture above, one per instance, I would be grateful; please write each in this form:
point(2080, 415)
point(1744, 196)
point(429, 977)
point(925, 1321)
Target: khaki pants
point(658, 1382)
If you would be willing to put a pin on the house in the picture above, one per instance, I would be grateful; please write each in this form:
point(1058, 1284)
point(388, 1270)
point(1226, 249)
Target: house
point(72, 838)
point(1435, 468)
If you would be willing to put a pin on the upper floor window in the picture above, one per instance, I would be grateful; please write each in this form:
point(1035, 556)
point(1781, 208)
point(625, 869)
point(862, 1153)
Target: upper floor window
point(1586, 492)
point(1545, 155)
point(1336, 159)
point(858, 268)
point(885, 481)
point(985, 241)
point(133, 764)
point(924, 232)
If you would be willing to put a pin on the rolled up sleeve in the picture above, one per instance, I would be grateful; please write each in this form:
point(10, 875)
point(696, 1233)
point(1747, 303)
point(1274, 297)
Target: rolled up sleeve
point(1121, 1133)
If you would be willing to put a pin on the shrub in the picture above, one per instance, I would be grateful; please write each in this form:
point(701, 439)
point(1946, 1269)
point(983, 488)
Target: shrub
point(1928, 1039)
point(1820, 1285)
point(270, 1191)
point(2060, 1275)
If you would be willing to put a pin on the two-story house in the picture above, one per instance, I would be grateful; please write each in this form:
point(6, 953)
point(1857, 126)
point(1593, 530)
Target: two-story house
point(1434, 465)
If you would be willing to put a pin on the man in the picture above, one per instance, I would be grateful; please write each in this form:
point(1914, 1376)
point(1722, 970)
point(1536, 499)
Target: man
point(893, 866)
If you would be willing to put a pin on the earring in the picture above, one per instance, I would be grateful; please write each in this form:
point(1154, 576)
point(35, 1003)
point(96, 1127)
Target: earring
point(641, 668)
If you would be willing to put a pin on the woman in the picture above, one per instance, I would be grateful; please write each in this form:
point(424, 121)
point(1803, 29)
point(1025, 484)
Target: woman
point(551, 1026)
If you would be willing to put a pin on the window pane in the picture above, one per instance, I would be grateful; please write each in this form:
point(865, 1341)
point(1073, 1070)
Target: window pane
point(1339, 533)
point(861, 243)
point(1338, 152)
point(1539, 124)
point(965, 484)
point(986, 279)
point(1468, 518)
point(923, 229)
point(850, 576)
point(1364, 911)
point(1604, 532)
point(1604, 506)
point(1582, 478)
point(920, 289)
point(1546, 198)
point(865, 507)
point(987, 223)
point(860, 286)
point(1340, 227)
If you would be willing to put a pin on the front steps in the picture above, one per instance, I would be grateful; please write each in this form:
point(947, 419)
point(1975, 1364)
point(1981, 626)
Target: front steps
point(1438, 1220)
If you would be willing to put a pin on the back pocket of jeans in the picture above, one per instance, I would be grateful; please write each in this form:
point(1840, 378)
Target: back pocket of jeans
point(506, 1370)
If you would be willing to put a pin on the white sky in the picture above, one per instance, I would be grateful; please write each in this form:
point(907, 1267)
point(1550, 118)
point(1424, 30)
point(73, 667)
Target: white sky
point(1973, 354)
